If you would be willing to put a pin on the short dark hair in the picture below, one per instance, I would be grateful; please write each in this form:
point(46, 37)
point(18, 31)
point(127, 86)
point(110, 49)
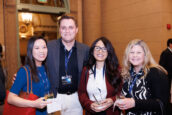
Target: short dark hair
point(169, 41)
point(68, 17)
point(1, 48)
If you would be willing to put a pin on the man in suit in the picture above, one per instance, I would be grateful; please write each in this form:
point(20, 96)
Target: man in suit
point(2, 83)
point(2, 80)
point(65, 60)
point(166, 59)
point(166, 62)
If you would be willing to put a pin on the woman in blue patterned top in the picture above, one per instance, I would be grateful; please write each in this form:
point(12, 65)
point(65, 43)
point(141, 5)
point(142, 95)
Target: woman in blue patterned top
point(35, 64)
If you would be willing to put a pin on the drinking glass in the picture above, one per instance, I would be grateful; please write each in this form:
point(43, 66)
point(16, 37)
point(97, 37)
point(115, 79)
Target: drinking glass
point(49, 95)
point(118, 97)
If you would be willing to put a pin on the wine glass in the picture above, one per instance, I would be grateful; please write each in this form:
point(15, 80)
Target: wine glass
point(49, 95)
point(118, 97)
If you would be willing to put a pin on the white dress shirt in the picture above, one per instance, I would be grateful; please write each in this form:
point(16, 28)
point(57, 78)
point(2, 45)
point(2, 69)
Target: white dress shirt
point(170, 49)
point(97, 85)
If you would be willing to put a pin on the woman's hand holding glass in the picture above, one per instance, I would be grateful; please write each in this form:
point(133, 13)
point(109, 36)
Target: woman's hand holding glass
point(49, 95)
point(40, 103)
point(102, 105)
point(96, 107)
point(106, 103)
point(118, 98)
point(125, 103)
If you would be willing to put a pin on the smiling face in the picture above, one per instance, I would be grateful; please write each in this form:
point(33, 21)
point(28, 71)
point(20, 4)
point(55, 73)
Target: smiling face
point(68, 30)
point(39, 51)
point(136, 56)
point(100, 52)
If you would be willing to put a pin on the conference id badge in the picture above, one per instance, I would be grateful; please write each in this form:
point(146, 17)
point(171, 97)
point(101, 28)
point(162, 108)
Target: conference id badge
point(66, 80)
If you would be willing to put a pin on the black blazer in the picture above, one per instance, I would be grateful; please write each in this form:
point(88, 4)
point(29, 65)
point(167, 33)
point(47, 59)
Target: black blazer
point(2, 85)
point(166, 61)
point(53, 59)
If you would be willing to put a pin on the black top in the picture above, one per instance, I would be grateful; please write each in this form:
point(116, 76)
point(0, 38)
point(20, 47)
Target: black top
point(72, 69)
point(166, 61)
point(147, 91)
point(2, 85)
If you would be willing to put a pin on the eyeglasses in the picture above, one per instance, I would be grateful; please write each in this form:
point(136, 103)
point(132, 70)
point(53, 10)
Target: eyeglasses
point(98, 48)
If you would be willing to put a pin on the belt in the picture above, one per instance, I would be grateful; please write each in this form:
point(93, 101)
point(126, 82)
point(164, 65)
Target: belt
point(67, 93)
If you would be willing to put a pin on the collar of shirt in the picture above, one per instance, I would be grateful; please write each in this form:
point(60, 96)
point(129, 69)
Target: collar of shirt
point(62, 45)
point(170, 49)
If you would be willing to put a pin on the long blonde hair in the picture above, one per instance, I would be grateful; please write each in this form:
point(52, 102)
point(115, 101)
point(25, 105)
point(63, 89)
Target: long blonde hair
point(149, 61)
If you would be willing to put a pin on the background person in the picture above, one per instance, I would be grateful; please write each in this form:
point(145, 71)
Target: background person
point(35, 60)
point(166, 60)
point(100, 80)
point(65, 60)
point(145, 82)
point(2, 83)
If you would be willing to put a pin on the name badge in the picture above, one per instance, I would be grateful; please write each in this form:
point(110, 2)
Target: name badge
point(66, 80)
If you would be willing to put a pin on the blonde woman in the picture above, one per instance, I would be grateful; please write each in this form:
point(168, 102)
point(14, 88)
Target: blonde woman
point(145, 82)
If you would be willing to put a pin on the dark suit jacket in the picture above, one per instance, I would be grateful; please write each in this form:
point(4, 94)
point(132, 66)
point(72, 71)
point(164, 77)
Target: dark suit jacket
point(53, 61)
point(166, 61)
point(2, 85)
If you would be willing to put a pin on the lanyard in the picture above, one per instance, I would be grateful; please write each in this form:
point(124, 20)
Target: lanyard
point(132, 84)
point(95, 70)
point(67, 59)
point(45, 82)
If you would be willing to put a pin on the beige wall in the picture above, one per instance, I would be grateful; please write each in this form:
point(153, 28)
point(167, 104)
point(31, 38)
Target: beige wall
point(76, 11)
point(167, 19)
point(124, 20)
point(91, 20)
point(1, 23)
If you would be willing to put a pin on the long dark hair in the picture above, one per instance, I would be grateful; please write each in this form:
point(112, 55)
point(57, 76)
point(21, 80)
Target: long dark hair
point(30, 60)
point(112, 66)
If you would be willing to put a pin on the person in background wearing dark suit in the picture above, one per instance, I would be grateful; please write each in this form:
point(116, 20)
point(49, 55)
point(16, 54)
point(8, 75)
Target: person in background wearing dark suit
point(2, 81)
point(166, 59)
point(166, 62)
point(65, 61)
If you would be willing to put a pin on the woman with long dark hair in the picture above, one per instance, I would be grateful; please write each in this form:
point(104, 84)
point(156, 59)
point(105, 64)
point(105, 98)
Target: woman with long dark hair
point(35, 65)
point(100, 80)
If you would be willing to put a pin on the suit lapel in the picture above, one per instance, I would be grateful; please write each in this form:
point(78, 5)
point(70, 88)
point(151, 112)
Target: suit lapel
point(80, 57)
point(57, 56)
